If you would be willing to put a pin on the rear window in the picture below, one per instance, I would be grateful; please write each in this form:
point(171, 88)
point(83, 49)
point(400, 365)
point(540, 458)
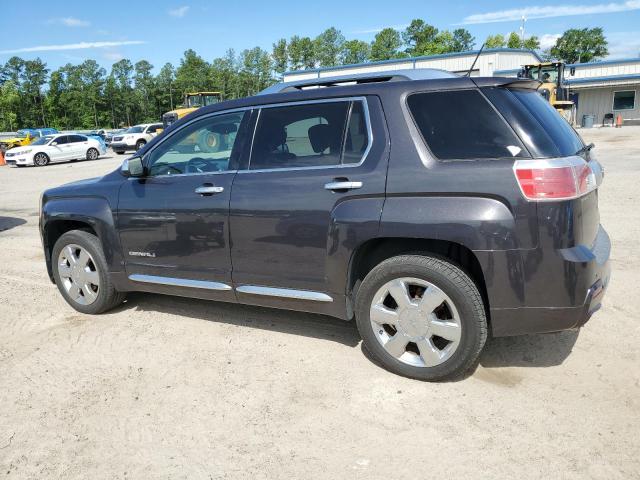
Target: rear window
point(462, 124)
point(544, 132)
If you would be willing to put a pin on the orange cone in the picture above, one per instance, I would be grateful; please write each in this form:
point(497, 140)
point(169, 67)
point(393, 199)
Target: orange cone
point(619, 121)
point(2, 162)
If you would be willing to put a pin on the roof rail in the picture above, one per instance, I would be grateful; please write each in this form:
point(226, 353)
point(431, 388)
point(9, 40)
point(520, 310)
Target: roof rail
point(359, 78)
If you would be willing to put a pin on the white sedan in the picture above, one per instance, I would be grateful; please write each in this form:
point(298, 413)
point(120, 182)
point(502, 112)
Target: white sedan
point(55, 148)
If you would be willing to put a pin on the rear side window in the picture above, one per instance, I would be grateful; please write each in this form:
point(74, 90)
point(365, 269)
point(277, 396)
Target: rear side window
point(462, 124)
point(544, 131)
point(310, 135)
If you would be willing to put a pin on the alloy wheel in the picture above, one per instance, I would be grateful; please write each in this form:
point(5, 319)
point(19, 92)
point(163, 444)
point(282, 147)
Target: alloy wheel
point(415, 322)
point(92, 154)
point(79, 274)
point(41, 159)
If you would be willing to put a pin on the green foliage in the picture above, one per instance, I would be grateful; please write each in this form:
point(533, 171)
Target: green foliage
point(495, 41)
point(581, 45)
point(355, 51)
point(328, 47)
point(531, 43)
point(386, 45)
point(87, 96)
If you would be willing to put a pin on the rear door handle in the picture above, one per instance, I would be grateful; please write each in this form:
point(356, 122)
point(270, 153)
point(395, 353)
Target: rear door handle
point(342, 185)
point(209, 190)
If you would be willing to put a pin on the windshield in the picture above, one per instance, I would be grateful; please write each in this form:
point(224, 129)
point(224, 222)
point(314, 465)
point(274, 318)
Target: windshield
point(197, 101)
point(22, 133)
point(547, 74)
point(136, 129)
point(42, 140)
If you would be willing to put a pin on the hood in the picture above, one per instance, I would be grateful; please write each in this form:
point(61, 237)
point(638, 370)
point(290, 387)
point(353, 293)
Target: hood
point(13, 139)
point(79, 183)
point(19, 150)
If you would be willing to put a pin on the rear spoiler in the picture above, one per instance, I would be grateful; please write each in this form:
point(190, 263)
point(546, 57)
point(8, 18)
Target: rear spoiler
point(507, 82)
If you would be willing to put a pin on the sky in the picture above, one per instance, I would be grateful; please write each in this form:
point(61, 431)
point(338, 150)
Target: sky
point(160, 31)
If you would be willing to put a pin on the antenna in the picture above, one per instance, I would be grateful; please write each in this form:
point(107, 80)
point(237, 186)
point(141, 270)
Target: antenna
point(524, 19)
point(475, 60)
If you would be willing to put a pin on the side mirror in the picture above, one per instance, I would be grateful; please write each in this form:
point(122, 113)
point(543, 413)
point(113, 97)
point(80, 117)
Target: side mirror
point(53, 144)
point(132, 167)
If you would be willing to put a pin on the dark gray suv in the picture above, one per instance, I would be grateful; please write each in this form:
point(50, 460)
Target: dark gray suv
point(431, 208)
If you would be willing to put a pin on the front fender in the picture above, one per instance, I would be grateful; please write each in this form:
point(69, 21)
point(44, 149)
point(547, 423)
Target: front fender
point(94, 212)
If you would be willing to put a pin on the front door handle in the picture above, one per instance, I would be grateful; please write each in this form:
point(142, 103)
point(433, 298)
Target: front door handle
point(209, 190)
point(342, 185)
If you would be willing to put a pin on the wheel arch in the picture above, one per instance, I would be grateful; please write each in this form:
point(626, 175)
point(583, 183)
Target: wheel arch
point(372, 252)
point(92, 214)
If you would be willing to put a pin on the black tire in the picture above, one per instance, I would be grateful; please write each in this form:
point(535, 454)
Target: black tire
point(119, 152)
point(140, 144)
point(40, 159)
point(92, 154)
point(108, 297)
point(456, 284)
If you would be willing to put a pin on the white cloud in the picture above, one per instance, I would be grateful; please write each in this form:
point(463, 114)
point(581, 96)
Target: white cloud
point(179, 12)
point(70, 22)
point(548, 11)
point(548, 40)
point(72, 46)
point(113, 56)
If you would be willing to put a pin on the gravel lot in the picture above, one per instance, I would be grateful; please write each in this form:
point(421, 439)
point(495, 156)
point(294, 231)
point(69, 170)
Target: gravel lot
point(167, 387)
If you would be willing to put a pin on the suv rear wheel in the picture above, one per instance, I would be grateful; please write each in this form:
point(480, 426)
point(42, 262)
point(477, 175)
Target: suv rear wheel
point(81, 275)
point(421, 317)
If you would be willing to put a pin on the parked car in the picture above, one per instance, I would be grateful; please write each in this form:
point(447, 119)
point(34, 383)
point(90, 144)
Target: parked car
point(135, 138)
point(55, 148)
point(431, 208)
point(108, 136)
point(25, 137)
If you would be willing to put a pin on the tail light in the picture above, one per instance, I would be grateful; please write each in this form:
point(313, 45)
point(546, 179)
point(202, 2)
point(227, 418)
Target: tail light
point(557, 179)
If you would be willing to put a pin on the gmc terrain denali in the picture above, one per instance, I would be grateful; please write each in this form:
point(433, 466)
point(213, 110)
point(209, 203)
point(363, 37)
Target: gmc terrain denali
point(431, 208)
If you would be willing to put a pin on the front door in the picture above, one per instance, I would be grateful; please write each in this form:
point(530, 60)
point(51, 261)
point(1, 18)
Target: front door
point(173, 223)
point(312, 166)
point(61, 150)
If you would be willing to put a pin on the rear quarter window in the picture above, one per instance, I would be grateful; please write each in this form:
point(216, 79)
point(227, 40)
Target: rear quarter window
point(462, 124)
point(543, 130)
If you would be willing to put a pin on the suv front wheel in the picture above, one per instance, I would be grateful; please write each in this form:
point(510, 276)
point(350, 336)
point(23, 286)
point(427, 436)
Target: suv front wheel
point(81, 275)
point(421, 317)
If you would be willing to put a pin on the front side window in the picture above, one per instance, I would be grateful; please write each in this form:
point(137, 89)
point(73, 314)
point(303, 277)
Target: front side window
point(625, 100)
point(136, 129)
point(62, 140)
point(205, 146)
point(309, 135)
point(462, 124)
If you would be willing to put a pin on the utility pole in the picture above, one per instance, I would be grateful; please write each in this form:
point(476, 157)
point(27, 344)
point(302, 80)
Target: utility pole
point(522, 21)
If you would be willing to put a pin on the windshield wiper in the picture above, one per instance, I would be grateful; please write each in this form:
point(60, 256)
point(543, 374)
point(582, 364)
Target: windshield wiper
point(584, 149)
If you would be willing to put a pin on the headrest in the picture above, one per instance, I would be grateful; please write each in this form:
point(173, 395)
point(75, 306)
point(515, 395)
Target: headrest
point(320, 137)
point(275, 136)
point(224, 128)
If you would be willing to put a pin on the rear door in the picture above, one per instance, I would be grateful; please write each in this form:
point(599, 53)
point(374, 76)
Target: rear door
point(312, 165)
point(78, 146)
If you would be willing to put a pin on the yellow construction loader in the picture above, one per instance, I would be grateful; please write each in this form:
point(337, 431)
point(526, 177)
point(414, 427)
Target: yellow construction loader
point(192, 101)
point(551, 74)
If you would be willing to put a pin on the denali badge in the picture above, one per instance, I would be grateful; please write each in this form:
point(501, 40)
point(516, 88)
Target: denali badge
point(142, 254)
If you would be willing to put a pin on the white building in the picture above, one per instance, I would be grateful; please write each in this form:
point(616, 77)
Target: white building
point(489, 61)
point(598, 88)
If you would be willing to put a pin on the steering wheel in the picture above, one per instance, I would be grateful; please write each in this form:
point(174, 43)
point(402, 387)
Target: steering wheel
point(197, 165)
point(165, 166)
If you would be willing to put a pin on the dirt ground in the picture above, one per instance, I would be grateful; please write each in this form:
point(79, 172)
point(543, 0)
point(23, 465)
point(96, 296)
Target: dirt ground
point(167, 387)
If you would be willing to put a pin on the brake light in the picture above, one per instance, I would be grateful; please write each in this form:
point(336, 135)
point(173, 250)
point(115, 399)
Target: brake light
point(558, 179)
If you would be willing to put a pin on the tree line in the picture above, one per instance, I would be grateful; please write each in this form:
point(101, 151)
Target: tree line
point(87, 96)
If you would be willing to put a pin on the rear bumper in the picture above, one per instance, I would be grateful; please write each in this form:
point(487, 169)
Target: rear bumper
point(586, 270)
